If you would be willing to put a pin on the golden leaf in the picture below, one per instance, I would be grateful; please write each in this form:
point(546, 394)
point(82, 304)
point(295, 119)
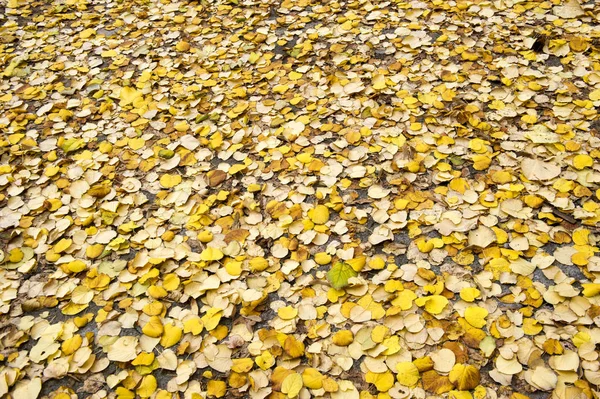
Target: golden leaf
point(292, 384)
point(464, 376)
point(436, 383)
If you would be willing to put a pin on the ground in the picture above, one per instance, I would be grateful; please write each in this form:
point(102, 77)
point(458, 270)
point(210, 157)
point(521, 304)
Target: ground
point(299, 199)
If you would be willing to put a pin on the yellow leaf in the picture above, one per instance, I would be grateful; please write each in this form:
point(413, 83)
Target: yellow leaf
point(70, 145)
point(293, 348)
point(171, 282)
point(595, 95)
point(322, 258)
point(475, 316)
point(563, 185)
point(86, 33)
point(343, 338)
point(469, 294)
point(143, 359)
point(16, 255)
point(460, 395)
point(580, 258)
point(211, 254)
point(378, 82)
point(532, 326)
point(377, 263)
point(591, 289)
point(292, 384)
point(171, 335)
point(582, 161)
point(404, 299)
point(153, 308)
point(304, 158)
point(497, 104)
point(294, 75)
point(205, 236)
point(392, 344)
point(216, 140)
point(379, 333)
point(62, 245)
point(99, 191)
point(578, 44)
point(137, 143)
point(212, 318)
point(70, 345)
point(329, 385)
point(193, 325)
point(408, 374)
point(578, 339)
point(424, 246)
point(182, 46)
point(216, 389)
point(319, 214)
point(109, 53)
point(127, 228)
point(242, 365)
point(265, 360)
point(527, 118)
point(169, 181)
point(236, 168)
point(357, 263)
point(237, 380)
point(153, 328)
point(253, 57)
point(424, 363)
point(287, 312)
point(123, 393)
point(382, 381)
point(433, 304)
point(258, 264)
point(52, 171)
point(147, 387)
point(280, 89)
point(481, 162)
point(181, 126)
point(234, 268)
point(313, 379)
point(581, 236)
point(76, 266)
point(464, 376)
point(128, 95)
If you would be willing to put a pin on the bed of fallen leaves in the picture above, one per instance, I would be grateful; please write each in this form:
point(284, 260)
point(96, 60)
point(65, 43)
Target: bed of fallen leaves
point(352, 199)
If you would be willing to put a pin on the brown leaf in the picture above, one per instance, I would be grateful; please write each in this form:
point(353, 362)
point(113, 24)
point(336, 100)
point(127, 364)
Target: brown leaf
point(459, 351)
point(436, 383)
point(293, 347)
point(278, 376)
point(216, 177)
point(99, 191)
point(464, 376)
point(239, 235)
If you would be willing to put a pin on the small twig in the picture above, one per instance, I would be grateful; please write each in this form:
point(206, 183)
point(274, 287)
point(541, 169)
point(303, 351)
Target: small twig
point(564, 216)
point(570, 219)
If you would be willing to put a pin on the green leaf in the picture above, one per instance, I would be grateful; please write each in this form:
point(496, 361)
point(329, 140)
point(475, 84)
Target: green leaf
point(70, 145)
point(339, 274)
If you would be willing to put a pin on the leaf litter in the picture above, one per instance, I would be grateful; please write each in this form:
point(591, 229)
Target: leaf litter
point(302, 199)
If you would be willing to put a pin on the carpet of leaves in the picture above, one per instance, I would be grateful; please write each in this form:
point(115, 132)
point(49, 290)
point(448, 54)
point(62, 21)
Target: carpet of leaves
point(328, 199)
